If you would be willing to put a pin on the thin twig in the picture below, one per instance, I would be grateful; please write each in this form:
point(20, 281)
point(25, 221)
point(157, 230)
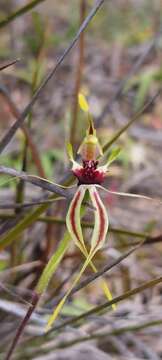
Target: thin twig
point(114, 332)
point(89, 337)
point(120, 89)
point(2, 67)
point(129, 123)
point(78, 79)
point(97, 275)
point(40, 182)
point(33, 305)
point(11, 206)
point(8, 136)
point(85, 224)
point(108, 304)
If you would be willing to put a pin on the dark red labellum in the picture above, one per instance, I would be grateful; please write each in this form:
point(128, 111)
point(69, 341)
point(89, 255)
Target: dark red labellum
point(89, 174)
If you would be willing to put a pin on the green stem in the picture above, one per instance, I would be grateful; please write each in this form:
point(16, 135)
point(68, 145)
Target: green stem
point(52, 265)
point(19, 12)
point(86, 224)
point(115, 332)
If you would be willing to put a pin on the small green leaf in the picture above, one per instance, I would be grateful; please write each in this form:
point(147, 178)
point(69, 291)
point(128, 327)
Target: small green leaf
point(114, 154)
point(13, 233)
point(69, 150)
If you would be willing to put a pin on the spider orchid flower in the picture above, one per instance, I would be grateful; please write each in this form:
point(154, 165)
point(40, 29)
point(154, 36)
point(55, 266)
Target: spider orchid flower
point(90, 176)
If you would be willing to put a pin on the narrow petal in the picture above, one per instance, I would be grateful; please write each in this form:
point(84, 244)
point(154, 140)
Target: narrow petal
point(107, 292)
point(104, 286)
point(99, 234)
point(83, 103)
point(73, 218)
point(101, 221)
point(74, 228)
point(138, 196)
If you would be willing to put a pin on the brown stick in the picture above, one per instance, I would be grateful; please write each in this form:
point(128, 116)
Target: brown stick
point(34, 302)
point(2, 67)
point(15, 112)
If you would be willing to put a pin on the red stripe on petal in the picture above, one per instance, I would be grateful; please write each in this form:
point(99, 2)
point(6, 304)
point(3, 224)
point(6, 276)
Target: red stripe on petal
point(72, 215)
point(102, 218)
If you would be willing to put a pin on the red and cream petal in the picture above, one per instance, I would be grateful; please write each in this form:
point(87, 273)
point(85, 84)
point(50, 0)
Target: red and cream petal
point(73, 218)
point(101, 221)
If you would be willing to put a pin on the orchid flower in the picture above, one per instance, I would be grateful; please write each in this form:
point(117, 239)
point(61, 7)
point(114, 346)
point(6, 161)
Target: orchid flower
point(90, 176)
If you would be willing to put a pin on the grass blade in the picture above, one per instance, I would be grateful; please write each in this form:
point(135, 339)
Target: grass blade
point(52, 265)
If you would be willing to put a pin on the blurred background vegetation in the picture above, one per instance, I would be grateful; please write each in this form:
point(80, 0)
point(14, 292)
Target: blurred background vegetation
point(119, 66)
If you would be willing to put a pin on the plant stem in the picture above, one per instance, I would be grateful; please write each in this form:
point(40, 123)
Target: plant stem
point(19, 12)
point(34, 302)
point(107, 304)
point(15, 112)
point(2, 67)
point(79, 72)
point(129, 123)
point(115, 332)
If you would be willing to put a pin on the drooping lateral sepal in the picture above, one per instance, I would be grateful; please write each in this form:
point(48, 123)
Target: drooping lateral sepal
point(73, 218)
point(98, 238)
point(101, 221)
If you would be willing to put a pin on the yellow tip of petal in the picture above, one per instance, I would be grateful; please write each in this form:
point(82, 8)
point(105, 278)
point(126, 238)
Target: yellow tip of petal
point(83, 103)
point(47, 328)
point(108, 293)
